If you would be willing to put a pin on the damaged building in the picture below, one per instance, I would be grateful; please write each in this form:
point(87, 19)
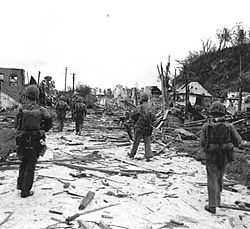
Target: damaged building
point(12, 82)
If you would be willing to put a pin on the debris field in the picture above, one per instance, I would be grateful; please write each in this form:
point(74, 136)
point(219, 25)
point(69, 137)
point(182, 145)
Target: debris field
point(89, 182)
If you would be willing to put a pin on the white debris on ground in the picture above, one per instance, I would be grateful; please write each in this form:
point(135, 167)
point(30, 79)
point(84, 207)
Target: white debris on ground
point(170, 188)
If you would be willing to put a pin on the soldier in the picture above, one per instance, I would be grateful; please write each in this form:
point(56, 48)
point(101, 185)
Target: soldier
point(79, 113)
point(31, 123)
point(218, 138)
point(61, 109)
point(143, 117)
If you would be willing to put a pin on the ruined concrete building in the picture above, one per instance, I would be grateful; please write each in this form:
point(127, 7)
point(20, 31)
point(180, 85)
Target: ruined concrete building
point(11, 86)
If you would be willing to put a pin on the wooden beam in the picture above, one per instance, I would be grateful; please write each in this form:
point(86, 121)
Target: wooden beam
point(86, 200)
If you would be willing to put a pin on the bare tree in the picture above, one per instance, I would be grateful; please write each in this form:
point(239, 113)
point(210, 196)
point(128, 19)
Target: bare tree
point(207, 46)
point(224, 37)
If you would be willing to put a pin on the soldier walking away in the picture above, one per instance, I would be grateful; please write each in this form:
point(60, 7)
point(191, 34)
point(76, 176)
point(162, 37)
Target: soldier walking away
point(143, 117)
point(72, 104)
point(218, 138)
point(79, 113)
point(61, 109)
point(31, 123)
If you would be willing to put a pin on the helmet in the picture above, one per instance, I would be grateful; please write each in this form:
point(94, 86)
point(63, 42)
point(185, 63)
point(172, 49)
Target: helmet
point(79, 99)
point(144, 97)
point(217, 108)
point(32, 92)
point(63, 98)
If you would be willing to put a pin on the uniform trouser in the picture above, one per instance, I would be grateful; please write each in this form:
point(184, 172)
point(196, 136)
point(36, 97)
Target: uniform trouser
point(60, 120)
point(60, 124)
point(214, 183)
point(27, 170)
point(79, 123)
point(139, 134)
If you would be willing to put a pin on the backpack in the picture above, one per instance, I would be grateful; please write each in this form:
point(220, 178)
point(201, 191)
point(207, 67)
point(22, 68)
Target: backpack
point(145, 117)
point(219, 133)
point(31, 119)
point(80, 110)
point(61, 106)
point(145, 121)
point(219, 142)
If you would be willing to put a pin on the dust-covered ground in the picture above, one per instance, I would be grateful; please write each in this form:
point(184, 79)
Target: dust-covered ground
point(171, 187)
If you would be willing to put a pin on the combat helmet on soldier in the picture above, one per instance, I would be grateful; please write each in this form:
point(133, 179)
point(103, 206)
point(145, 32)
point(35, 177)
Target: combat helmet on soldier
point(79, 99)
point(32, 92)
point(63, 98)
point(217, 109)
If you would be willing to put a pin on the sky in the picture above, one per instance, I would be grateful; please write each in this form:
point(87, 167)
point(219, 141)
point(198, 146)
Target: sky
point(109, 42)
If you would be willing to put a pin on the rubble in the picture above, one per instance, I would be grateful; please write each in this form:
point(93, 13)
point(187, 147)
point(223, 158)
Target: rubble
point(88, 182)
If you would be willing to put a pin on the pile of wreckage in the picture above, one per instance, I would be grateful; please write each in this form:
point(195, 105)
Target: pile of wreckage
point(169, 125)
point(172, 122)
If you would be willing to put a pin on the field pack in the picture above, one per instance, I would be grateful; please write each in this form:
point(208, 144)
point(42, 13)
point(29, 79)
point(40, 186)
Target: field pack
point(80, 109)
point(31, 119)
point(61, 106)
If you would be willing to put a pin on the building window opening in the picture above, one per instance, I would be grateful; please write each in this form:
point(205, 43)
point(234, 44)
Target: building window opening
point(1, 77)
point(13, 80)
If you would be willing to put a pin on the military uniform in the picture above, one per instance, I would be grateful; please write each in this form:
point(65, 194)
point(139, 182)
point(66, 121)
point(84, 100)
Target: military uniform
point(61, 109)
point(32, 120)
point(79, 113)
point(143, 117)
point(218, 138)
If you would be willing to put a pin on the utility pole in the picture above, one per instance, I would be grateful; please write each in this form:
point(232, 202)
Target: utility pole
point(186, 74)
point(74, 74)
point(241, 38)
point(38, 80)
point(65, 86)
point(240, 89)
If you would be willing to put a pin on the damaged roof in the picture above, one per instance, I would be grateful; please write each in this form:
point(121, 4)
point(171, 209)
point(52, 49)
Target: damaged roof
point(195, 89)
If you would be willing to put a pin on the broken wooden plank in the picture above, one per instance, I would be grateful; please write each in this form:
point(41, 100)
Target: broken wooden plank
point(71, 218)
point(7, 218)
point(163, 120)
point(83, 225)
point(123, 144)
point(73, 194)
point(146, 193)
point(4, 168)
point(170, 137)
point(109, 171)
point(102, 177)
point(102, 225)
point(143, 167)
point(158, 142)
point(57, 178)
point(162, 149)
point(55, 212)
point(86, 200)
point(242, 203)
point(234, 208)
point(230, 189)
point(174, 221)
point(82, 167)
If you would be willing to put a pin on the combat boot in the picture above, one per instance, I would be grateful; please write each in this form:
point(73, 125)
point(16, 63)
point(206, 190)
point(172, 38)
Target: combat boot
point(25, 194)
point(210, 209)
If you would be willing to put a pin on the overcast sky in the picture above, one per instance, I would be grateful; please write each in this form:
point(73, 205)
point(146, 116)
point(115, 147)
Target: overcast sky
point(109, 42)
